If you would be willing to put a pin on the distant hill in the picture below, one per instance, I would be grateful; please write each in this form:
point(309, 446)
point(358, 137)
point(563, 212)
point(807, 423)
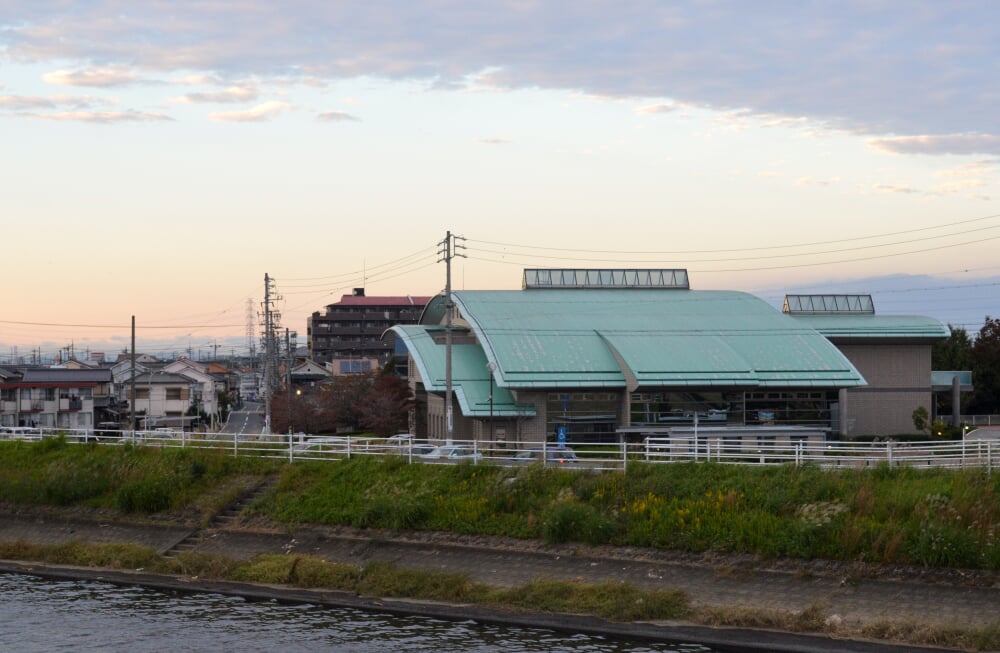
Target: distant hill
point(959, 302)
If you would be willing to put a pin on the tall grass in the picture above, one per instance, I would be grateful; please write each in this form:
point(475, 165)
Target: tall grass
point(936, 518)
point(127, 478)
point(932, 517)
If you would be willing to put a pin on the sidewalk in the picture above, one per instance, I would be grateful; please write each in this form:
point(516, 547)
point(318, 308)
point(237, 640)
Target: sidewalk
point(790, 586)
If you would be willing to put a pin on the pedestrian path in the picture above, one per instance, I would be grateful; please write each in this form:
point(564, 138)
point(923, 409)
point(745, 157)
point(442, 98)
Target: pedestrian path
point(837, 591)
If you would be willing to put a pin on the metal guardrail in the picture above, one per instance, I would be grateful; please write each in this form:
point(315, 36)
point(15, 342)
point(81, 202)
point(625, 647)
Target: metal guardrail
point(972, 421)
point(575, 455)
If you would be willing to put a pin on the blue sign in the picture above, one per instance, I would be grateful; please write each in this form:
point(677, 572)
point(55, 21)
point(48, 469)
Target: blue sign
point(561, 436)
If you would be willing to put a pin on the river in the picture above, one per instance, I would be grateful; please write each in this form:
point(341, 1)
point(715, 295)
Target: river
point(39, 615)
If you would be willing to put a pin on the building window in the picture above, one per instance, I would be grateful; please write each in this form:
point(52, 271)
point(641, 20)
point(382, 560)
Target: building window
point(173, 394)
point(355, 366)
point(582, 417)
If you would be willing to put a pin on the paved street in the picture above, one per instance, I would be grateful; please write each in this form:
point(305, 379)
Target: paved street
point(248, 420)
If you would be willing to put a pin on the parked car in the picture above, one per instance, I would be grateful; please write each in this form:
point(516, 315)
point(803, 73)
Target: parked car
point(419, 449)
point(322, 444)
point(553, 455)
point(399, 440)
point(452, 453)
point(984, 433)
point(405, 444)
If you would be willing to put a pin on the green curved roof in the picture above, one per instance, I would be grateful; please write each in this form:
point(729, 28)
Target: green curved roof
point(865, 327)
point(470, 373)
point(644, 337)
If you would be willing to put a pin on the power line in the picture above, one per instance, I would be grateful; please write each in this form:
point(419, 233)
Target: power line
point(770, 256)
point(745, 249)
point(120, 326)
point(366, 271)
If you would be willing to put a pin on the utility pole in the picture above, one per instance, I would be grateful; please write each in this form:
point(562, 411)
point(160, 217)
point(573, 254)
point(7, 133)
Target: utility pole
point(288, 382)
point(131, 401)
point(270, 344)
point(448, 252)
point(251, 351)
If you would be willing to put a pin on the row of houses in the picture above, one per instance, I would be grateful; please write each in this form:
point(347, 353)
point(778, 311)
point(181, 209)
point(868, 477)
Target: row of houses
point(85, 395)
point(583, 354)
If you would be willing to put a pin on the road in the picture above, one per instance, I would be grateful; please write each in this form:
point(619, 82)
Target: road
point(248, 420)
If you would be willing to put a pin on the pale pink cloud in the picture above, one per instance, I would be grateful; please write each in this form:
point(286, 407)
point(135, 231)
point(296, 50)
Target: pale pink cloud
point(106, 117)
point(260, 113)
point(336, 116)
point(233, 94)
point(99, 77)
point(663, 107)
point(889, 188)
point(939, 144)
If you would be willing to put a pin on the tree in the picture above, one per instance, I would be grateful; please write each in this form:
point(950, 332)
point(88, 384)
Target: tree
point(986, 368)
point(386, 408)
point(953, 354)
point(300, 411)
point(345, 397)
point(920, 418)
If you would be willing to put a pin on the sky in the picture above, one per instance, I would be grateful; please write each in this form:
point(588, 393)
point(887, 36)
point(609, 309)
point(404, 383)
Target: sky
point(161, 157)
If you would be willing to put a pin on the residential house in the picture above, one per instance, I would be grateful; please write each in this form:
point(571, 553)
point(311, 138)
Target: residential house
point(57, 398)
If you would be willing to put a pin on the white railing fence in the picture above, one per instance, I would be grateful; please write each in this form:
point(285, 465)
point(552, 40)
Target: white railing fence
point(575, 455)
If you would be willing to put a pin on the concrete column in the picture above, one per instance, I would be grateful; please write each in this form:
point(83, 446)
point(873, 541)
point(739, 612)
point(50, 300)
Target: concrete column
point(956, 401)
point(842, 399)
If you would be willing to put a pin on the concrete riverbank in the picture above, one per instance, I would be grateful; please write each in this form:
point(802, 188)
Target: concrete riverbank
point(852, 596)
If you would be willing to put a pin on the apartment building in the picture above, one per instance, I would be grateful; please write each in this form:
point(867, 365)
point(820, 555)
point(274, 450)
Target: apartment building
point(57, 398)
point(351, 329)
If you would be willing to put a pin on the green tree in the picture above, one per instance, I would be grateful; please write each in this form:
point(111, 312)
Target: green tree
point(955, 353)
point(986, 368)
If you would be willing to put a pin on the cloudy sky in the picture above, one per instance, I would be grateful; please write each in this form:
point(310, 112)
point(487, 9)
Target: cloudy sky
point(161, 157)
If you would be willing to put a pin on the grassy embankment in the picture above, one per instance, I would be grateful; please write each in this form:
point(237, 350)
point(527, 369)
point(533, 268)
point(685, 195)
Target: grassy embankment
point(188, 483)
point(933, 518)
point(930, 517)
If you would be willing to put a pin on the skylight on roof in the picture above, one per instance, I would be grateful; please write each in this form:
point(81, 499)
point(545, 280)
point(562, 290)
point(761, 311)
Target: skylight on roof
point(818, 304)
point(607, 278)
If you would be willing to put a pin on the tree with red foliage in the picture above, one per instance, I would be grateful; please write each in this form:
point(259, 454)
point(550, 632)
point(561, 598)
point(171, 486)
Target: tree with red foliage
point(385, 409)
point(303, 411)
point(344, 397)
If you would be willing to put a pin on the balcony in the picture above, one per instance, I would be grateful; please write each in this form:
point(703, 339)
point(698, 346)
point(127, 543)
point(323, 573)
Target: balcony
point(71, 404)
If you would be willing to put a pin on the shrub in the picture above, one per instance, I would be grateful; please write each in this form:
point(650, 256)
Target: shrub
point(938, 545)
point(615, 601)
point(398, 512)
point(383, 579)
point(147, 495)
point(572, 521)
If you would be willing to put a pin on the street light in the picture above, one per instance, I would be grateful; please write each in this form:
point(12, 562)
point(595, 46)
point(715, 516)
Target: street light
point(491, 366)
point(298, 393)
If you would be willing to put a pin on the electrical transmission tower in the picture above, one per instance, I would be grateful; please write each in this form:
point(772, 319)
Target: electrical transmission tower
point(448, 251)
point(270, 324)
point(251, 332)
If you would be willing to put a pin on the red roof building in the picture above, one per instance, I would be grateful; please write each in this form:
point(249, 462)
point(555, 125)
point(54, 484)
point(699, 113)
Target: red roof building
point(352, 328)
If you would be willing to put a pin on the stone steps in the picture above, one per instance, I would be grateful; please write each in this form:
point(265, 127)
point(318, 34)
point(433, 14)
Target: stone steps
point(225, 518)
